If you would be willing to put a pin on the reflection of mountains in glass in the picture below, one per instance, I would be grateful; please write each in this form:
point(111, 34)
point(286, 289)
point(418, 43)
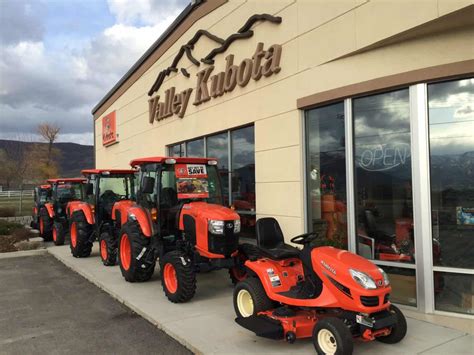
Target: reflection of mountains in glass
point(454, 170)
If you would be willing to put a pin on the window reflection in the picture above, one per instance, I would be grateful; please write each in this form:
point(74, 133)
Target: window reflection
point(454, 292)
point(195, 148)
point(326, 167)
point(218, 147)
point(384, 204)
point(451, 119)
point(243, 177)
point(403, 282)
point(177, 150)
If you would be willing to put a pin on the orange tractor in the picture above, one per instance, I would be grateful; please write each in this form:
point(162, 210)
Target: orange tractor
point(94, 218)
point(41, 195)
point(179, 218)
point(53, 217)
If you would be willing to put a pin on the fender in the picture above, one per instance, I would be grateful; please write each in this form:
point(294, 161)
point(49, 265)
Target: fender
point(142, 217)
point(49, 208)
point(121, 208)
point(86, 208)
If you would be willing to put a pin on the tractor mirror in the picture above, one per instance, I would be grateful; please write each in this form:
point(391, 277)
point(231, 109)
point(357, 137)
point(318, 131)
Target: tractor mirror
point(148, 185)
point(89, 189)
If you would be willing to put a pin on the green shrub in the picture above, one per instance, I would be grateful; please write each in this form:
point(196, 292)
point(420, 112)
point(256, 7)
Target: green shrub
point(6, 227)
point(7, 212)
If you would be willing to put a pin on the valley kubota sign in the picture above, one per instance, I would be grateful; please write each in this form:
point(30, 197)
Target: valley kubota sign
point(209, 85)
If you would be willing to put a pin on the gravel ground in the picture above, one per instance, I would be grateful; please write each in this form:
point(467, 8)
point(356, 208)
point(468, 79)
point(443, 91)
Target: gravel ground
point(45, 308)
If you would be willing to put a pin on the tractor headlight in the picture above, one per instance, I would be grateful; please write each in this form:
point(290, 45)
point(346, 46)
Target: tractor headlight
point(386, 281)
point(216, 227)
point(60, 209)
point(237, 226)
point(363, 279)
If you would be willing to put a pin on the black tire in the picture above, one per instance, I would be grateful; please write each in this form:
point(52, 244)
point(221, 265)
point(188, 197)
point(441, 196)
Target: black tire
point(238, 272)
point(399, 330)
point(108, 249)
point(185, 277)
point(59, 234)
point(138, 270)
point(260, 300)
point(81, 245)
point(46, 230)
point(337, 334)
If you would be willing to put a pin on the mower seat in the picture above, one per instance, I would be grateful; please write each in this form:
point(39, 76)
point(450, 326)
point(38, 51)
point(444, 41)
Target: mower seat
point(270, 240)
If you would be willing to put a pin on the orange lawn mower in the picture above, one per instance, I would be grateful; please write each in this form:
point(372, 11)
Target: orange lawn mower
point(41, 195)
point(180, 219)
point(327, 294)
point(53, 219)
point(94, 218)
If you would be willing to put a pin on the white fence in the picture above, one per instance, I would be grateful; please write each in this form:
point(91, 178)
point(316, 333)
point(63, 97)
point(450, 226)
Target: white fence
point(16, 193)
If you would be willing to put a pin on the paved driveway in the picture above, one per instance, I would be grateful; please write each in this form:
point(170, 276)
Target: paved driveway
point(45, 308)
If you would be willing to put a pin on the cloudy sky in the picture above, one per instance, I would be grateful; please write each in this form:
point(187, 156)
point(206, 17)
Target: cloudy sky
point(58, 58)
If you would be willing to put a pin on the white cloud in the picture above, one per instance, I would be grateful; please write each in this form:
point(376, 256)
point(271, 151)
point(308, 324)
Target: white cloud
point(148, 12)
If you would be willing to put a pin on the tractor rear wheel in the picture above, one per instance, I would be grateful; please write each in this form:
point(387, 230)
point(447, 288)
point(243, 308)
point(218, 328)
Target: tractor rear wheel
point(80, 232)
point(132, 247)
point(250, 298)
point(177, 277)
point(108, 248)
point(59, 233)
point(45, 225)
point(332, 336)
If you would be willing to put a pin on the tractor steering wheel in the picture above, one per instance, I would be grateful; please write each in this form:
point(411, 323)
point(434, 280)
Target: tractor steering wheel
point(304, 239)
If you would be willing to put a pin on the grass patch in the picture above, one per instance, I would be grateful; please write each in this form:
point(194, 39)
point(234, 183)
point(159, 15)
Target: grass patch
point(7, 228)
point(14, 237)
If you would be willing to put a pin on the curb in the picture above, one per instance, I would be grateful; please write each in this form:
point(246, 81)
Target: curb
point(136, 310)
point(19, 254)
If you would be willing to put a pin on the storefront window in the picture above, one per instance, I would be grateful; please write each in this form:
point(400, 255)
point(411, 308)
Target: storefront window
point(384, 204)
point(403, 282)
point(454, 292)
point(243, 177)
point(177, 150)
point(218, 147)
point(451, 119)
point(195, 148)
point(326, 167)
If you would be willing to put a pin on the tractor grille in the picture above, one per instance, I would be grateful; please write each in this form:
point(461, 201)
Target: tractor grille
point(369, 301)
point(386, 298)
point(224, 244)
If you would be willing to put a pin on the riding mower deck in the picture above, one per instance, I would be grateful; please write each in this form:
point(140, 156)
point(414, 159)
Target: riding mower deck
point(179, 218)
point(328, 294)
point(41, 195)
point(53, 220)
point(94, 218)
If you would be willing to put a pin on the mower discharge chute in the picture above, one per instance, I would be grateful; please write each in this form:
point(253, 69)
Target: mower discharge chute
point(97, 217)
point(325, 293)
point(41, 195)
point(54, 218)
point(179, 219)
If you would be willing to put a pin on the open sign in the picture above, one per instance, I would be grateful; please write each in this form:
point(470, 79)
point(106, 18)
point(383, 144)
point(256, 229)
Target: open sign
point(383, 157)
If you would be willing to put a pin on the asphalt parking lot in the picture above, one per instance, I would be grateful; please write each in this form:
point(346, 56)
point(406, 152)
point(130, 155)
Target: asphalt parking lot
point(45, 308)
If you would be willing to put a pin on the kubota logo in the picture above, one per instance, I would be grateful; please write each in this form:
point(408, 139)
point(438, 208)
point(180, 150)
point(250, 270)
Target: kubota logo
point(328, 267)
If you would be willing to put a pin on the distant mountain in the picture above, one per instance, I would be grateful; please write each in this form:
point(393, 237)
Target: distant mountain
point(73, 157)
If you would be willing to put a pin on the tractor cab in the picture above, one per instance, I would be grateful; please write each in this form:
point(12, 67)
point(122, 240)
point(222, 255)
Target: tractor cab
point(41, 195)
point(64, 191)
point(106, 187)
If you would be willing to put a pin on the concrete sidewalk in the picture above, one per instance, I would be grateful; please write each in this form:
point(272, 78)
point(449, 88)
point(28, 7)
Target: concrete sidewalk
point(206, 324)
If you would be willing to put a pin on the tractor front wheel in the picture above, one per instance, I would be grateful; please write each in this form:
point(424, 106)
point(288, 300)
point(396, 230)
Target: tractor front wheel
point(132, 248)
point(399, 330)
point(45, 225)
point(108, 249)
point(331, 336)
point(80, 232)
point(250, 298)
point(178, 277)
point(59, 233)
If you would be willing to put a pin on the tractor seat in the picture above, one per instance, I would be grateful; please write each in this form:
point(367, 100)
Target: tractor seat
point(270, 240)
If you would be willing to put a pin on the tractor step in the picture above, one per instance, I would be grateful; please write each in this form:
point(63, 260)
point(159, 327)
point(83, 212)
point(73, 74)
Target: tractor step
point(262, 326)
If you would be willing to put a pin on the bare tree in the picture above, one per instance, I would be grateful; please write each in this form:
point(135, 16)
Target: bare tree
point(49, 132)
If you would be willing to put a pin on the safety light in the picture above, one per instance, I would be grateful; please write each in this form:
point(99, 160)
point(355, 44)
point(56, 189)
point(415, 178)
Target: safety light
point(216, 227)
point(212, 162)
point(106, 173)
point(170, 161)
point(154, 214)
point(363, 279)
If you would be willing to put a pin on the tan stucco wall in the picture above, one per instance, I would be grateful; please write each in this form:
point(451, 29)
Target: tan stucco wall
point(313, 34)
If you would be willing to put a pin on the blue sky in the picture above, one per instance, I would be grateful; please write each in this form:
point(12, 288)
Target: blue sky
point(58, 58)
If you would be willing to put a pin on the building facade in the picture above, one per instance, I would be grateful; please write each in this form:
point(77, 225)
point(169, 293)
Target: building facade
point(351, 118)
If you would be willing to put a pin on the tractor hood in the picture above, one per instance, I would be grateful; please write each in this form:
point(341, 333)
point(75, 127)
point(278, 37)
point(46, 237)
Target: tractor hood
point(210, 211)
